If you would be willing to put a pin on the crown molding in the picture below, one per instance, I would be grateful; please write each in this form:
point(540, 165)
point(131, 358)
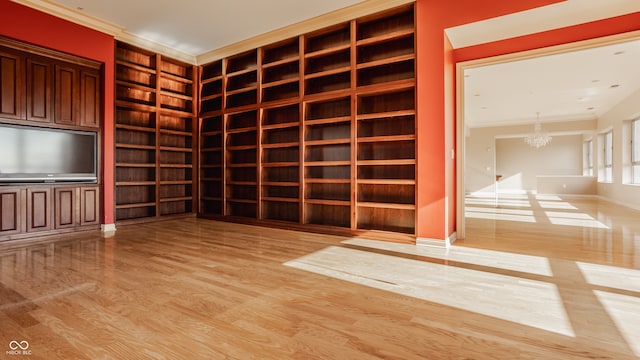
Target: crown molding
point(155, 47)
point(364, 8)
point(118, 32)
point(335, 17)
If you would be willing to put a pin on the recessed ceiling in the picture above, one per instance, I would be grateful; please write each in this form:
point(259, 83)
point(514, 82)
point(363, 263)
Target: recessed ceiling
point(575, 85)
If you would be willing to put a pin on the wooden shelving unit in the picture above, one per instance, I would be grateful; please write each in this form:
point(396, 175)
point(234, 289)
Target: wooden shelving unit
point(280, 163)
point(327, 162)
point(317, 130)
point(155, 148)
point(211, 139)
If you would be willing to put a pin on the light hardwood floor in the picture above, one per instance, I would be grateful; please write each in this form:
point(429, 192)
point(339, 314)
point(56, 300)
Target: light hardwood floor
point(566, 286)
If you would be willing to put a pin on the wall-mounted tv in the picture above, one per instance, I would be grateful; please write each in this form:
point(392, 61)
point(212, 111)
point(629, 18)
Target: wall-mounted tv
point(36, 155)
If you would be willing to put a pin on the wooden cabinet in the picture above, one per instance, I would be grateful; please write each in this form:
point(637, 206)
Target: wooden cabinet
point(67, 97)
point(155, 132)
point(66, 207)
point(39, 90)
point(12, 93)
point(45, 88)
point(317, 130)
point(52, 89)
point(11, 211)
point(39, 209)
point(89, 205)
point(90, 98)
point(47, 209)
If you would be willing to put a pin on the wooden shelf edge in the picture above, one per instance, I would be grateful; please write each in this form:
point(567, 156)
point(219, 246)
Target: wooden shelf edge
point(327, 51)
point(280, 199)
point(387, 138)
point(281, 62)
point(327, 181)
point(385, 37)
point(281, 145)
point(135, 183)
point(327, 202)
point(385, 205)
point(280, 125)
point(135, 205)
point(135, 128)
point(386, 181)
point(387, 114)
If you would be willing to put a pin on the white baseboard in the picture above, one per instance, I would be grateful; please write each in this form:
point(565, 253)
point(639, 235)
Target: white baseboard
point(108, 229)
point(446, 243)
point(630, 206)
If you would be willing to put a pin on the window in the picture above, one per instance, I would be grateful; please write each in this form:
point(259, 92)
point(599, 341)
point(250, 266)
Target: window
point(607, 156)
point(635, 151)
point(587, 158)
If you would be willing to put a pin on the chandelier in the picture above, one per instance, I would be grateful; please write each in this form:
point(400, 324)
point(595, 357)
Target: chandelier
point(537, 138)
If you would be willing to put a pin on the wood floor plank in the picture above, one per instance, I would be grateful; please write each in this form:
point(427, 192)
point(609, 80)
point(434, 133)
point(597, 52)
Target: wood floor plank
point(536, 278)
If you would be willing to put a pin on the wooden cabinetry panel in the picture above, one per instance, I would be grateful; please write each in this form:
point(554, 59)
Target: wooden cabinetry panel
point(66, 207)
point(89, 205)
point(48, 87)
point(11, 219)
point(38, 209)
point(39, 90)
point(12, 95)
point(66, 95)
point(44, 210)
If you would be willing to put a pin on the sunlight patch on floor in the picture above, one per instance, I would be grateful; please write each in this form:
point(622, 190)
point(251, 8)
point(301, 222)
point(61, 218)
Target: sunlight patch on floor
point(625, 312)
point(611, 276)
point(530, 264)
point(519, 300)
point(471, 214)
point(574, 219)
point(556, 205)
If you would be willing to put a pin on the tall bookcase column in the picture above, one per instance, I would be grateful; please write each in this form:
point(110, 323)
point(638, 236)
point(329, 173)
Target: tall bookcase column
point(241, 131)
point(212, 144)
point(327, 127)
point(386, 156)
point(176, 134)
point(155, 127)
point(280, 131)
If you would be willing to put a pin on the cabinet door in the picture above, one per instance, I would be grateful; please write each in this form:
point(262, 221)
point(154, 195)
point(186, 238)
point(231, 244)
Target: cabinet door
point(39, 83)
point(11, 217)
point(90, 98)
point(67, 97)
point(66, 207)
point(38, 209)
point(90, 205)
point(12, 93)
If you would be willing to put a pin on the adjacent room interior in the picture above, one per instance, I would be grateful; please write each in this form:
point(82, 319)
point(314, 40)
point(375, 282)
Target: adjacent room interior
point(326, 180)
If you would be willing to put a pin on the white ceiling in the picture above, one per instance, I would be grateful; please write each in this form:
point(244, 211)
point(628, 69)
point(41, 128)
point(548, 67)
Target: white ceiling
point(576, 85)
point(559, 87)
point(198, 26)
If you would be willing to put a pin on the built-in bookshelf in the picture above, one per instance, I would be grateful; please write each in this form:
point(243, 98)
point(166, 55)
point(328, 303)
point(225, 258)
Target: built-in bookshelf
point(280, 163)
point(154, 130)
point(317, 131)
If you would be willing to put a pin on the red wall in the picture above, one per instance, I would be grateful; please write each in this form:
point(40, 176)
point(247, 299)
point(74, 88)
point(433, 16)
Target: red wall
point(436, 183)
point(28, 25)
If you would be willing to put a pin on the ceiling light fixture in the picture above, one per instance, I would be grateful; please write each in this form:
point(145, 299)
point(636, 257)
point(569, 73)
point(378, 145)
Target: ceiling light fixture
point(537, 138)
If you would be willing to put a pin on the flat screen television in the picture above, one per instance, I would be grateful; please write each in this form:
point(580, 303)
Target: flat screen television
point(40, 155)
